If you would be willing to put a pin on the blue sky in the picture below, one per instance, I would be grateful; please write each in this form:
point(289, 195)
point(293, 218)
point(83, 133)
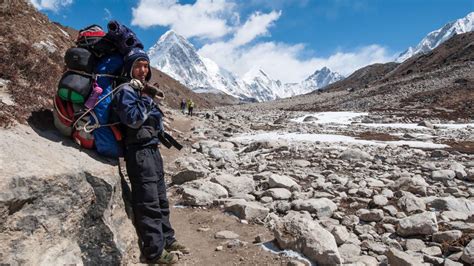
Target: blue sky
point(289, 39)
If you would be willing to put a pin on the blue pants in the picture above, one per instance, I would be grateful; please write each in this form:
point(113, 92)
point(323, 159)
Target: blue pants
point(149, 202)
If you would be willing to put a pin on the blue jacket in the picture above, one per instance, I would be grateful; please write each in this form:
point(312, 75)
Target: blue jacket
point(137, 112)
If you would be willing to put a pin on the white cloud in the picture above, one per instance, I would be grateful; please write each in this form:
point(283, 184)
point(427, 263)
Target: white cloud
point(235, 46)
point(204, 18)
point(53, 5)
point(256, 25)
point(285, 62)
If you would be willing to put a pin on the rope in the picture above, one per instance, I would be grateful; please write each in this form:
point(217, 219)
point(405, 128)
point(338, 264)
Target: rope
point(59, 112)
point(98, 125)
point(94, 75)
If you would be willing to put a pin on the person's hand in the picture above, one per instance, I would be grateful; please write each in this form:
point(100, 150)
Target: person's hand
point(153, 91)
point(150, 90)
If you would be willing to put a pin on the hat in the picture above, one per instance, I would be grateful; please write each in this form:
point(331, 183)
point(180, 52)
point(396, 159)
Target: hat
point(134, 55)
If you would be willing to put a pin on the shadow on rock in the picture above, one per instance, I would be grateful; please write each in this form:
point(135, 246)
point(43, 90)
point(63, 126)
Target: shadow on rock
point(42, 123)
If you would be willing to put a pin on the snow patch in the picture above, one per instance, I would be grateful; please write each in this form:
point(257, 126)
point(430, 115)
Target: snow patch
point(333, 138)
point(272, 248)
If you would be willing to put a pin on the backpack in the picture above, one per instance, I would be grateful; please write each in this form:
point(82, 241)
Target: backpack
point(86, 88)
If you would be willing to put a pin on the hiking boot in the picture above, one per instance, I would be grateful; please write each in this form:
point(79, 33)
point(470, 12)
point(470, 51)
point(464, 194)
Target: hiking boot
point(176, 246)
point(165, 258)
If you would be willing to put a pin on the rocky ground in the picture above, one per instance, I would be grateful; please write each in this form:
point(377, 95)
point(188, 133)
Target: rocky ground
point(336, 189)
point(399, 195)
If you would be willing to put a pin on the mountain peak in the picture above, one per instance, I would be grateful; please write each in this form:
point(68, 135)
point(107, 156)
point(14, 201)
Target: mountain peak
point(437, 37)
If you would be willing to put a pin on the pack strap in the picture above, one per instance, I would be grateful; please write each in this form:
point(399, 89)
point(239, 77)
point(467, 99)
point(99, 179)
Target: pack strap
point(89, 128)
point(94, 76)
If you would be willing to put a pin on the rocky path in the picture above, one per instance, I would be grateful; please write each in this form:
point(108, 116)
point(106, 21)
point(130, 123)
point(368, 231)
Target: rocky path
point(395, 195)
point(197, 228)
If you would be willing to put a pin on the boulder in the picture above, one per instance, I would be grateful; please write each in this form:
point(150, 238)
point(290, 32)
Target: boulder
point(448, 236)
point(250, 211)
point(281, 181)
point(222, 154)
point(299, 232)
point(418, 224)
point(235, 185)
point(468, 253)
point(374, 215)
point(322, 207)
point(202, 192)
point(355, 155)
point(443, 175)
point(399, 258)
point(278, 193)
point(410, 203)
point(451, 204)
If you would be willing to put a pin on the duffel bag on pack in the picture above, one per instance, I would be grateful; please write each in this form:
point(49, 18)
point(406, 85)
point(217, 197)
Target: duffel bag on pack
point(82, 134)
point(74, 87)
point(123, 37)
point(63, 116)
point(106, 136)
point(80, 59)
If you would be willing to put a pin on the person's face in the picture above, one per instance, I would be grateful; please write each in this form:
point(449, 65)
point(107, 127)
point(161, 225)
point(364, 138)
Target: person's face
point(140, 70)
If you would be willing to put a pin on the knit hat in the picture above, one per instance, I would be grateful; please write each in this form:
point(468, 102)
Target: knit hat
point(134, 55)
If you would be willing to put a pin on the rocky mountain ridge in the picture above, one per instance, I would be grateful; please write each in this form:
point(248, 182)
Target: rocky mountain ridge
point(177, 57)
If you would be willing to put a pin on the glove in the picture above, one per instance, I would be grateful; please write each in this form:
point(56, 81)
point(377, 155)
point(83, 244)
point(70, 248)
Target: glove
point(153, 91)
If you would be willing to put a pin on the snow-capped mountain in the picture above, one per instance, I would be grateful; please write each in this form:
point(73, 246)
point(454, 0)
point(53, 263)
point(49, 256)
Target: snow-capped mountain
point(177, 57)
point(437, 37)
point(319, 79)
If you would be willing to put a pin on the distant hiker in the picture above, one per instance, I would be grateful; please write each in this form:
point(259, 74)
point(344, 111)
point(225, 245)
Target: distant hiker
point(140, 120)
point(190, 107)
point(183, 106)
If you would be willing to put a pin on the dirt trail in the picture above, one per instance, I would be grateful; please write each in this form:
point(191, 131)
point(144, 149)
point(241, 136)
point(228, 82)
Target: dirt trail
point(187, 221)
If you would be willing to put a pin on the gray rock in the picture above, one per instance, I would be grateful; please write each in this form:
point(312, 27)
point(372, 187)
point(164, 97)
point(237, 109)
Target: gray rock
point(432, 251)
point(451, 204)
point(340, 233)
point(349, 252)
point(374, 246)
point(235, 185)
point(187, 175)
point(414, 244)
point(399, 258)
point(301, 163)
point(365, 261)
point(443, 175)
point(350, 220)
point(468, 253)
point(374, 215)
point(454, 216)
point(411, 203)
point(224, 154)
point(355, 155)
point(250, 211)
point(379, 201)
point(451, 235)
point(202, 192)
point(226, 235)
point(427, 124)
point(281, 181)
point(448, 262)
point(415, 184)
point(299, 232)
point(322, 207)
point(418, 224)
point(278, 193)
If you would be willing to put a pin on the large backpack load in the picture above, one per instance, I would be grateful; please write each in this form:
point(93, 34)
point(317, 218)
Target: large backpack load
point(85, 90)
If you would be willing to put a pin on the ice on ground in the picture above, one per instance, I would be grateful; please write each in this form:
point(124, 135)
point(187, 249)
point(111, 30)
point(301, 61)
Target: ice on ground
point(271, 247)
point(333, 138)
point(347, 118)
point(332, 117)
